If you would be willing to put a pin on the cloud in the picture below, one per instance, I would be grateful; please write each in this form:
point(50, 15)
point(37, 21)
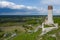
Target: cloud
point(12, 5)
point(50, 2)
point(6, 7)
point(56, 11)
point(54, 3)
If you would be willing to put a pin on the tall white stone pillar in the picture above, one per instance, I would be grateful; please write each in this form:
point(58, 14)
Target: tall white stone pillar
point(50, 15)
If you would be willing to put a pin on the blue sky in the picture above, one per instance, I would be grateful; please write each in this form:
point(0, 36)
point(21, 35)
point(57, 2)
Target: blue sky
point(26, 2)
point(28, 7)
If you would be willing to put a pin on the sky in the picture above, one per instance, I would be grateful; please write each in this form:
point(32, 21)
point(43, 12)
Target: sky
point(28, 7)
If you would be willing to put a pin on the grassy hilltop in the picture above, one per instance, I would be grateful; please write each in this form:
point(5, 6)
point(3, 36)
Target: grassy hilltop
point(21, 24)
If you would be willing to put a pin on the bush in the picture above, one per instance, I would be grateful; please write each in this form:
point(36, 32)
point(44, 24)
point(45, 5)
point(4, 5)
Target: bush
point(1, 30)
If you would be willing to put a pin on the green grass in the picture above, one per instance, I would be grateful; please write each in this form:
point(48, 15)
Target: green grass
point(1, 34)
point(56, 32)
point(31, 36)
point(28, 36)
point(48, 26)
point(48, 38)
point(57, 20)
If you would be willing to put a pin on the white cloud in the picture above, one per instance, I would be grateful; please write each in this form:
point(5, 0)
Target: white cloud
point(56, 11)
point(10, 5)
point(41, 10)
point(13, 5)
point(54, 3)
point(30, 7)
point(51, 2)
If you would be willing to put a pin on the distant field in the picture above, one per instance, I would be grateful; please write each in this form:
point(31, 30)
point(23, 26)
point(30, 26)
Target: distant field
point(19, 20)
point(12, 28)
